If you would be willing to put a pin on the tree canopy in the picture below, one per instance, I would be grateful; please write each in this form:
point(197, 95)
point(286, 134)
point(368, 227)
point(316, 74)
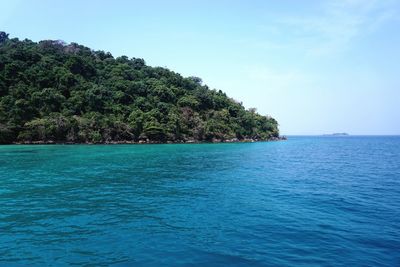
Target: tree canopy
point(53, 91)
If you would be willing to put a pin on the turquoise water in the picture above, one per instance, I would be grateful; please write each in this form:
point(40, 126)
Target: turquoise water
point(308, 201)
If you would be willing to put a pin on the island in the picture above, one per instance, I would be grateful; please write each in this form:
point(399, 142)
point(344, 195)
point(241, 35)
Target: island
point(54, 92)
point(337, 134)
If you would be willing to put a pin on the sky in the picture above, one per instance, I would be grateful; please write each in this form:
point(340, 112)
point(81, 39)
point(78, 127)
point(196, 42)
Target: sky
point(316, 66)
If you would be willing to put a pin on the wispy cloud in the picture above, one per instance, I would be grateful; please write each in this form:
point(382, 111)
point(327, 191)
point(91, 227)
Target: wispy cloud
point(298, 47)
point(336, 24)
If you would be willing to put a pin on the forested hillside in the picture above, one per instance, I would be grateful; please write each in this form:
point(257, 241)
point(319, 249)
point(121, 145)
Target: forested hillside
point(56, 92)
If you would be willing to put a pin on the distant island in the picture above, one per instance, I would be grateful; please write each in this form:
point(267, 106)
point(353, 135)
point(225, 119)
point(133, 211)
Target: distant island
point(53, 92)
point(337, 134)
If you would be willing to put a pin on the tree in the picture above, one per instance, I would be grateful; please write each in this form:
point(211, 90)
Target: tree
point(6, 134)
point(3, 37)
point(196, 80)
point(188, 101)
point(155, 132)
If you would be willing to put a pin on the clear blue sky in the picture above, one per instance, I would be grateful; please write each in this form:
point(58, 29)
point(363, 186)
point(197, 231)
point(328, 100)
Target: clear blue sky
point(316, 66)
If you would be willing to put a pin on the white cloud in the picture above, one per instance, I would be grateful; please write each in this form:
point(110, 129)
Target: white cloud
point(336, 25)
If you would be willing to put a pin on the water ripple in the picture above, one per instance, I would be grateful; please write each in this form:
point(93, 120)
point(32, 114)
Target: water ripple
point(305, 202)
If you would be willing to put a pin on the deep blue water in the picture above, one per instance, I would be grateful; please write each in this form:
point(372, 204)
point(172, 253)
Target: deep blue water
point(308, 201)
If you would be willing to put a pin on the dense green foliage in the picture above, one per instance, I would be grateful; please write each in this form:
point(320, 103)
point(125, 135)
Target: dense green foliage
point(52, 91)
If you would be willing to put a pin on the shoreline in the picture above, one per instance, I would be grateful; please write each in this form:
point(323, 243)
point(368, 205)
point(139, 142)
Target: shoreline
point(150, 142)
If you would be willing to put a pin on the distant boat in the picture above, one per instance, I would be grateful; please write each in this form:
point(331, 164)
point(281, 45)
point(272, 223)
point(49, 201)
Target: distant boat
point(337, 134)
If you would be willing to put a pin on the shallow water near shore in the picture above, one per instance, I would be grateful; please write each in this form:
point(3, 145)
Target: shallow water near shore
point(307, 201)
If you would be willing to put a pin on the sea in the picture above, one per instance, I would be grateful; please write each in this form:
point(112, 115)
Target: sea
point(307, 201)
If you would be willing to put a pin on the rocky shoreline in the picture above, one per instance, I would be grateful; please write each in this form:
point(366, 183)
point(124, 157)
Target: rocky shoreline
point(126, 142)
